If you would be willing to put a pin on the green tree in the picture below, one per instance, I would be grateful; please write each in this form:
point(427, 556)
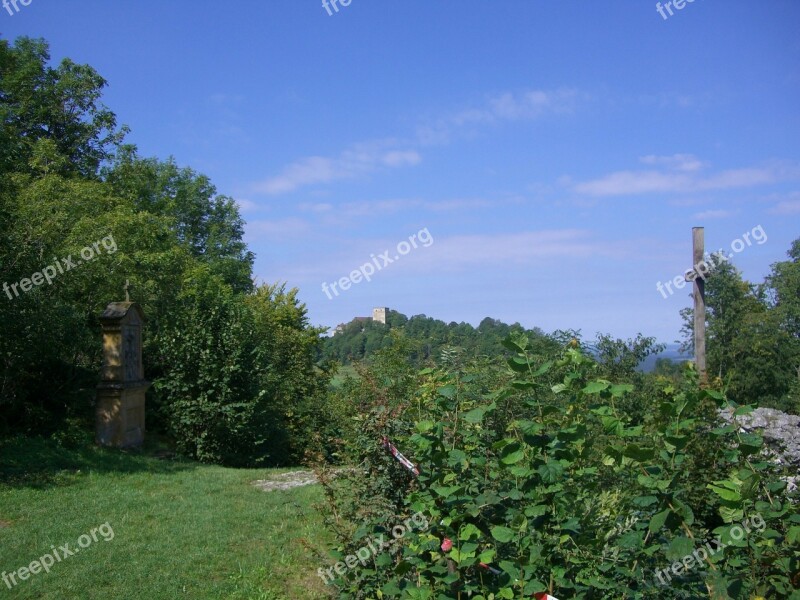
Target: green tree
point(60, 104)
point(783, 291)
point(207, 224)
point(751, 343)
point(620, 359)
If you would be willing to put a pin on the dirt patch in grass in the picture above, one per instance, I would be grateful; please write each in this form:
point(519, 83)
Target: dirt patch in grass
point(286, 481)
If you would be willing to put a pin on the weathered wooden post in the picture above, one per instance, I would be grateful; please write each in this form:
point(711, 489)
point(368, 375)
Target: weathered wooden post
point(121, 391)
point(698, 274)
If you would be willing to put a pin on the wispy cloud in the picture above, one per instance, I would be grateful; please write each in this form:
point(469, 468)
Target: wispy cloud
point(354, 162)
point(677, 162)
point(504, 107)
point(246, 205)
point(530, 248)
point(395, 205)
point(391, 153)
point(789, 206)
point(289, 227)
point(681, 174)
point(713, 214)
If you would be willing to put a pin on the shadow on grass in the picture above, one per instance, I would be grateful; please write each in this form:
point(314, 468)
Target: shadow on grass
point(42, 463)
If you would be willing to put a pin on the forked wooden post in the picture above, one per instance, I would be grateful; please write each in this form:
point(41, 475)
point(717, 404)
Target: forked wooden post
point(699, 293)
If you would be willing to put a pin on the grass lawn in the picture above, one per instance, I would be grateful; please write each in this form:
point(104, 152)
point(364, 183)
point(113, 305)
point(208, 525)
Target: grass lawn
point(343, 373)
point(180, 529)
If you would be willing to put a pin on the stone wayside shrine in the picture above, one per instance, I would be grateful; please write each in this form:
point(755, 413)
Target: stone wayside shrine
point(120, 393)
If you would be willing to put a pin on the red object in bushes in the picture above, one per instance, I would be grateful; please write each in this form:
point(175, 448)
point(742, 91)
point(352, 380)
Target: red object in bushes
point(447, 544)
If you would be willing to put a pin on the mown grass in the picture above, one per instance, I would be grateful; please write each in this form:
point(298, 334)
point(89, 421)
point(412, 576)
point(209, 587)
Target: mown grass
point(180, 529)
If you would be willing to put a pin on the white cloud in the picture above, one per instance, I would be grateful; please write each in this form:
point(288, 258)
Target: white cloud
point(547, 250)
point(401, 159)
point(682, 177)
point(713, 214)
point(280, 228)
point(630, 182)
point(308, 171)
point(317, 207)
point(507, 106)
point(354, 162)
point(246, 205)
point(391, 206)
point(790, 205)
point(532, 248)
point(678, 162)
point(390, 153)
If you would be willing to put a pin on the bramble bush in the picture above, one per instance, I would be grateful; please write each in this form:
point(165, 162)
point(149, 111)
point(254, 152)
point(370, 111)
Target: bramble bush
point(536, 473)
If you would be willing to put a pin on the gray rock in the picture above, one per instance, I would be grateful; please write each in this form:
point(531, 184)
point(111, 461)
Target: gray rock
point(781, 431)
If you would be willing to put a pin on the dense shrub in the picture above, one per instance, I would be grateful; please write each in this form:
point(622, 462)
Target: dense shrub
point(553, 488)
point(239, 385)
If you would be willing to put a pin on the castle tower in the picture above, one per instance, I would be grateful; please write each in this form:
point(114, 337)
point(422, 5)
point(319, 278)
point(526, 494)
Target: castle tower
point(379, 314)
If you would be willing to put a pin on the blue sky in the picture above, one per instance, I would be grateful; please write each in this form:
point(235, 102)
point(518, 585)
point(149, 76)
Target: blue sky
point(557, 152)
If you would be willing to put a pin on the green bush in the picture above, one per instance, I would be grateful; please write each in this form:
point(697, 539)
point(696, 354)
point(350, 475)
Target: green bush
point(555, 489)
point(239, 385)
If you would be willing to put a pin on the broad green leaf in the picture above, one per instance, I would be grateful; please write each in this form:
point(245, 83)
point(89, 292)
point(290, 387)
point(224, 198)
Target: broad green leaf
point(456, 457)
point(679, 547)
point(518, 365)
point(468, 531)
point(536, 510)
point(476, 414)
point(543, 369)
point(658, 520)
point(595, 387)
point(793, 535)
point(729, 515)
point(448, 391)
point(714, 394)
point(551, 472)
point(424, 426)
point(502, 534)
point(445, 491)
point(512, 454)
point(510, 568)
point(725, 493)
point(644, 501)
point(621, 389)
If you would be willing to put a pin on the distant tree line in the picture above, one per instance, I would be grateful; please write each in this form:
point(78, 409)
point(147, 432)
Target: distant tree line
point(428, 336)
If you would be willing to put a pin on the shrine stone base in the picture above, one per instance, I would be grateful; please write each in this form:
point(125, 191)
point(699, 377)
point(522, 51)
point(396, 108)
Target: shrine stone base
point(120, 414)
